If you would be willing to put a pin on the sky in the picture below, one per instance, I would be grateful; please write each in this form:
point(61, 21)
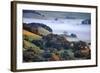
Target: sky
point(70, 22)
point(54, 14)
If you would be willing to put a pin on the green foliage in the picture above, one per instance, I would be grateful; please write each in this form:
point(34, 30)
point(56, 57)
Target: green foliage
point(28, 45)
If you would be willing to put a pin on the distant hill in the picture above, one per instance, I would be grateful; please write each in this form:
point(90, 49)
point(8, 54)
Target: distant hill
point(86, 21)
point(32, 25)
point(37, 28)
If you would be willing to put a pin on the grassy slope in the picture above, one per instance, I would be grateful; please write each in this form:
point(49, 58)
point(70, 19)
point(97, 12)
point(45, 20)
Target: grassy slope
point(28, 45)
point(31, 36)
point(43, 31)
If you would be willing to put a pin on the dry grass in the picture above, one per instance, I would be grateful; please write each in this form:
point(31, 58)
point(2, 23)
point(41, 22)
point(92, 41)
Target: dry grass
point(31, 35)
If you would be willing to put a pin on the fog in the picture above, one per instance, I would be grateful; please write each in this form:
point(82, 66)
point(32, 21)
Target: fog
point(66, 25)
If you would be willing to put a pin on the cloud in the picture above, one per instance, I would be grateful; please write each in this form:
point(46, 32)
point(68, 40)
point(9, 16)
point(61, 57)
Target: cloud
point(31, 14)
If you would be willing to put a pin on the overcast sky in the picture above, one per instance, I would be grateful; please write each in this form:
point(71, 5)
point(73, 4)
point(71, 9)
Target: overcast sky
point(54, 15)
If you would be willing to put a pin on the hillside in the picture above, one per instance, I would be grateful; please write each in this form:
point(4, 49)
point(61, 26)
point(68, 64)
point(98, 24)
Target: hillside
point(41, 44)
point(43, 32)
point(27, 45)
point(30, 36)
point(35, 27)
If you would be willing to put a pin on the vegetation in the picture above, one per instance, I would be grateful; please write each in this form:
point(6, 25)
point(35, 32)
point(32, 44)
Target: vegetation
point(30, 36)
point(28, 45)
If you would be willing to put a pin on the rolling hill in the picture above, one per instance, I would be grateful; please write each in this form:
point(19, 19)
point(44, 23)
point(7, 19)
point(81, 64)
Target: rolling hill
point(30, 36)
